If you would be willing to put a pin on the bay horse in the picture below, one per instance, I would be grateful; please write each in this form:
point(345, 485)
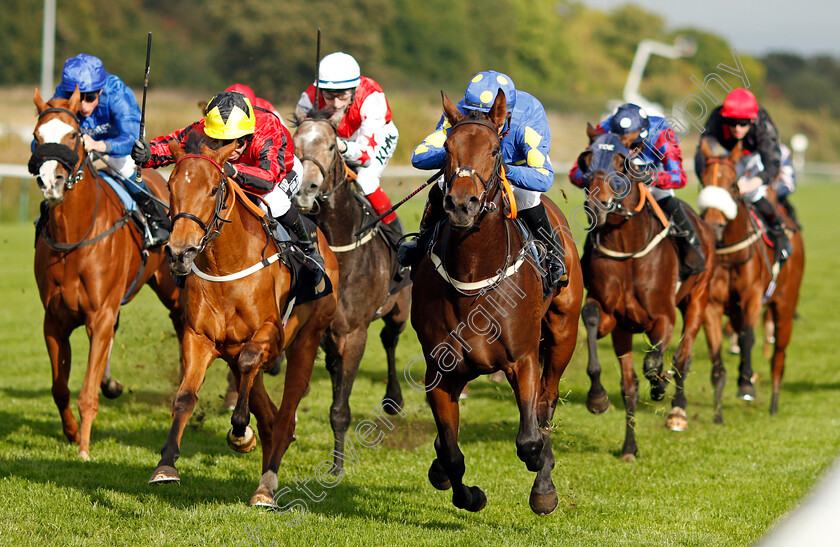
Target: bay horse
point(745, 280)
point(89, 259)
point(365, 271)
point(633, 284)
point(234, 309)
point(478, 308)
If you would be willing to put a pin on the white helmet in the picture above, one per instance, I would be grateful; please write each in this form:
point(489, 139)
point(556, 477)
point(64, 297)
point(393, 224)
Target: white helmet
point(338, 71)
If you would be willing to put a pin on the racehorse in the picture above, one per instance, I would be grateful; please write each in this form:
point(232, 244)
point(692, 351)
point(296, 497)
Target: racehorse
point(235, 302)
point(478, 307)
point(745, 280)
point(89, 259)
point(365, 267)
point(633, 285)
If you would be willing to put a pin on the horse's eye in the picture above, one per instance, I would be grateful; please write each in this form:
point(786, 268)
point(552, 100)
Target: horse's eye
point(496, 151)
point(214, 191)
point(332, 147)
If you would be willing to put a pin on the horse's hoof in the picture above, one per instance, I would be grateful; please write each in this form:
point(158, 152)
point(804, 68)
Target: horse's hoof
point(84, 455)
point(243, 444)
point(230, 400)
point(746, 392)
point(475, 500)
point(261, 499)
point(718, 419)
point(657, 390)
point(677, 420)
point(163, 474)
point(628, 458)
point(598, 404)
point(395, 408)
point(437, 476)
point(111, 389)
point(543, 504)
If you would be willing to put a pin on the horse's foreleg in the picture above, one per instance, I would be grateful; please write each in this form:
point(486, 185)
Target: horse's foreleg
point(443, 400)
point(58, 348)
point(343, 365)
point(692, 321)
point(300, 359)
point(623, 345)
point(597, 400)
point(197, 353)
point(100, 330)
point(263, 346)
point(389, 335)
point(712, 319)
point(559, 340)
point(264, 410)
point(660, 336)
point(751, 313)
point(531, 441)
point(783, 321)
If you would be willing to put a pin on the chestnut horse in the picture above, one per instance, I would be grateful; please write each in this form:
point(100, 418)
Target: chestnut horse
point(744, 280)
point(88, 260)
point(633, 286)
point(365, 266)
point(234, 309)
point(478, 308)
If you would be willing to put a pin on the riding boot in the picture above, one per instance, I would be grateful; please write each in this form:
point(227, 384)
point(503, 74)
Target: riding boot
point(781, 244)
point(689, 248)
point(157, 219)
point(292, 221)
point(537, 220)
point(411, 252)
point(791, 212)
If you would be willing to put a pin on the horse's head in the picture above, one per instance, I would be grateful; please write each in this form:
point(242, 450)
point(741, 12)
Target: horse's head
point(718, 198)
point(198, 193)
point(58, 146)
point(315, 146)
point(473, 165)
point(611, 177)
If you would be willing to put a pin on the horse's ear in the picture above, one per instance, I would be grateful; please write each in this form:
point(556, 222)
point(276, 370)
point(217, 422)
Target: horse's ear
point(175, 148)
point(450, 110)
point(75, 98)
point(39, 102)
point(203, 106)
point(498, 112)
point(591, 132)
point(335, 119)
point(736, 153)
point(705, 149)
point(584, 161)
point(299, 115)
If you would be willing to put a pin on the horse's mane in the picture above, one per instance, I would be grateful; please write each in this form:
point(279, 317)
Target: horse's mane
point(317, 115)
point(717, 149)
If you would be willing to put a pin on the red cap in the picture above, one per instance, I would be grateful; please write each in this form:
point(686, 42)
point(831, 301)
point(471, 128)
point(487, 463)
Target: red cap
point(245, 90)
point(740, 103)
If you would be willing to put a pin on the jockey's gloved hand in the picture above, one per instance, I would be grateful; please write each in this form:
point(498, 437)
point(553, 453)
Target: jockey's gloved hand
point(141, 152)
point(342, 146)
point(230, 170)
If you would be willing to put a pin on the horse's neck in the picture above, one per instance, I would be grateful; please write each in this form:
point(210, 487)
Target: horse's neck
point(237, 246)
point(739, 228)
point(630, 234)
point(71, 219)
point(479, 254)
point(341, 214)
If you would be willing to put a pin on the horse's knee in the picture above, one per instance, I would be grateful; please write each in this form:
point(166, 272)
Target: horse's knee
point(249, 357)
point(591, 314)
point(184, 402)
point(530, 452)
point(340, 418)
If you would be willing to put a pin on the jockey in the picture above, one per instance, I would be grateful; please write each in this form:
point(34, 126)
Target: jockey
point(740, 119)
point(525, 142)
point(367, 136)
point(785, 185)
point(656, 150)
point(257, 102)
point(263, 160)
point(109, 119)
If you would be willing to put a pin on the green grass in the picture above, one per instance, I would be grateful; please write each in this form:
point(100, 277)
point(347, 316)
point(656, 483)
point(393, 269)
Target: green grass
point(712, 485)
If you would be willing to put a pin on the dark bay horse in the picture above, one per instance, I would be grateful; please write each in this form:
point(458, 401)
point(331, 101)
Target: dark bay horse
point(633, 286)
point(745, 280)
point(88, 260)
point(478, 307)
point(365, 271)
point(235, 303)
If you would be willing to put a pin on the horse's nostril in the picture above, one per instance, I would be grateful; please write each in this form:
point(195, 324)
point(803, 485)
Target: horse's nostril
point(448, 203)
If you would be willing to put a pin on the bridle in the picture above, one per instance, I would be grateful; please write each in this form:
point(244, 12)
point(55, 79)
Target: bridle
point(221, 191)
point(716, 162)
point(334, 163)
point(60, 152)
point(490, 185)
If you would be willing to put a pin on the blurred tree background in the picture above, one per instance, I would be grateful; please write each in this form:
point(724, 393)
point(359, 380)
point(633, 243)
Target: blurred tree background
point(573, 58)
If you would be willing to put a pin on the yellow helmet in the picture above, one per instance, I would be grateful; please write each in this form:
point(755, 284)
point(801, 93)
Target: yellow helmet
point(229, 116)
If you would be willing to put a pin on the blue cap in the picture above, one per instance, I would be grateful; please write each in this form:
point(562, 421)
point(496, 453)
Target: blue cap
point(629, 118)
point(483, 88)
point(83, 70)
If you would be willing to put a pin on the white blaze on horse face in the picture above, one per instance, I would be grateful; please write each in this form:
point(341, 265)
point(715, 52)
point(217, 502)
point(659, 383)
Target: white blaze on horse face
point(52, 189)
point(54, 130)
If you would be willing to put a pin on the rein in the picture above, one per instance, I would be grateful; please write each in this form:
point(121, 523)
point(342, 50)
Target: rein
point(214, 225)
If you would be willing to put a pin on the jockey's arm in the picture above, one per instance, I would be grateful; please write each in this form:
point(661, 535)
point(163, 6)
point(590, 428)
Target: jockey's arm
point(125, 116)
point(534, 172)
point(430, 153)
point(361, 150)
point(669, 157)
point(768, 150)
point(271, 155)
point(159, 146)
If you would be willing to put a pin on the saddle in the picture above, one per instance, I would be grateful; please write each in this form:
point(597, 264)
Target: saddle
point(302, 288)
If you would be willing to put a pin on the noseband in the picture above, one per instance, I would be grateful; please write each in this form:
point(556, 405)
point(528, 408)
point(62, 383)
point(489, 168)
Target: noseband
point(214, 225)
